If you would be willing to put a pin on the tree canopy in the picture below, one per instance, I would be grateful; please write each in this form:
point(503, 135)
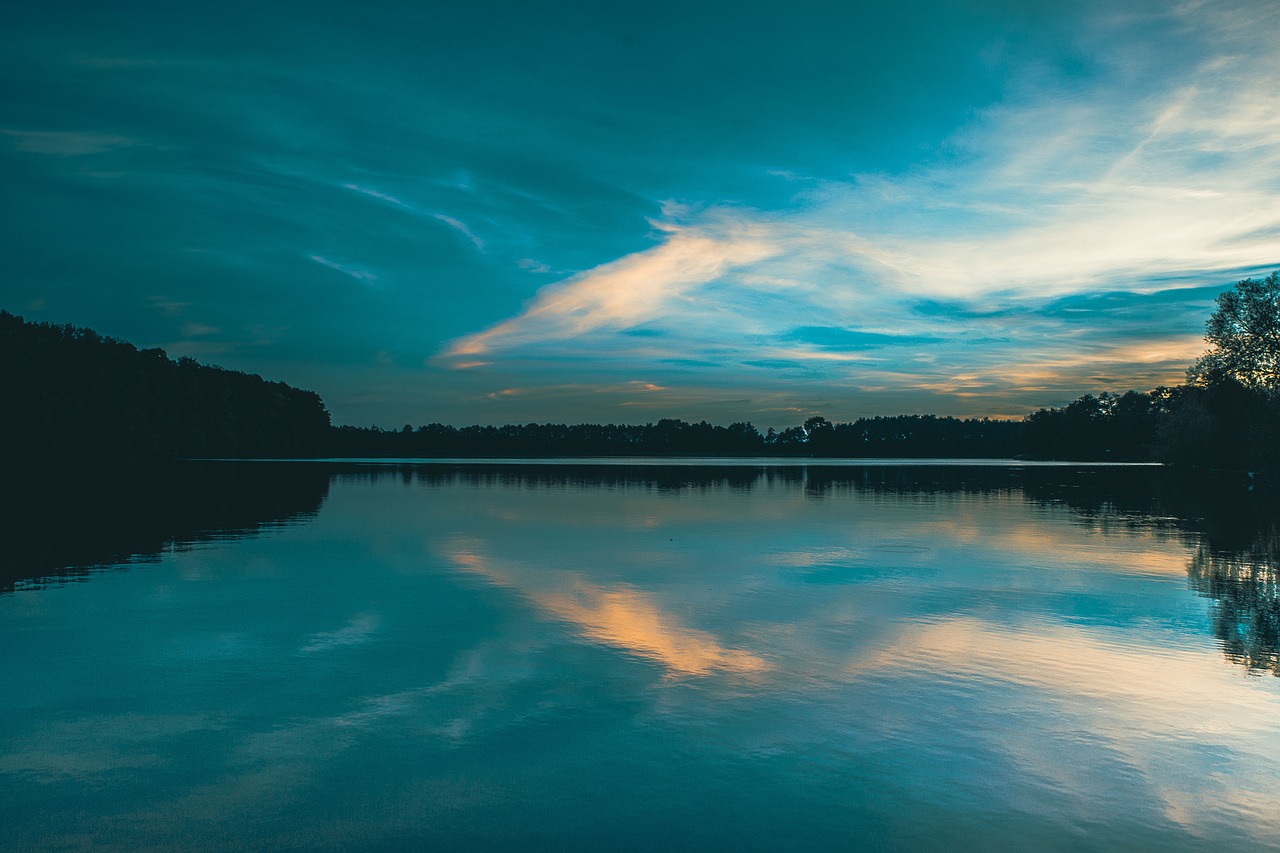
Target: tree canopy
point(69, 391)
point(1244, 336)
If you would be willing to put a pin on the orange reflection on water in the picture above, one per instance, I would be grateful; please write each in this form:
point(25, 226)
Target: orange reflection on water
point(618, 616)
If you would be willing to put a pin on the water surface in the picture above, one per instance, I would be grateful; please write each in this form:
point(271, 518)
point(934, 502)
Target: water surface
point(863, 657)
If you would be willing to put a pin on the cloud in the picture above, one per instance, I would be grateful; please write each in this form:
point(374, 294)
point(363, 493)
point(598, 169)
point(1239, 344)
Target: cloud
point(533, 266)
point(362, 276)
point(461, 228)
point(169, 307)
point(454, 223)
point(1160, 172)
point(620, 295)
point(66, 144)
point(375, 194)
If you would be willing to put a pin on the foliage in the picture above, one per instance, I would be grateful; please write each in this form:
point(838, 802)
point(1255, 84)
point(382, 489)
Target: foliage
point(901, 436)
point(1244, 336)
point(71, 392)
point(1109, 426)
point(1222, 424)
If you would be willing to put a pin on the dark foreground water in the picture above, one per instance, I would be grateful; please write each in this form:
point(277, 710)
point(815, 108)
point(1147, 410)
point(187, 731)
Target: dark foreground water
point(312, 657)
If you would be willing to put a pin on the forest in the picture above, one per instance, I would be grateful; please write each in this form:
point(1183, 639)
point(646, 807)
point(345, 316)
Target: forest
point(72, 392)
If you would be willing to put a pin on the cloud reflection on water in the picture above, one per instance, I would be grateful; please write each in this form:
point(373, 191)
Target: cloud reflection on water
point(617, 616)
point(976, 650)
point(1180, 720)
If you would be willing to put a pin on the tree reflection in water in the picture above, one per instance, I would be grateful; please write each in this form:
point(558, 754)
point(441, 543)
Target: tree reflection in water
point(1245, 608)
point(71, 520)
point(75, 520)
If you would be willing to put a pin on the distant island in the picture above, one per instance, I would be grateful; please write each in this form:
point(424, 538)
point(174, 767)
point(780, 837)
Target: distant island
point(71, 392)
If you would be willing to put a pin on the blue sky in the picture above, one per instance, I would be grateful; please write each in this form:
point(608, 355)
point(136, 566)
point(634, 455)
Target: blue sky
point(513, 212)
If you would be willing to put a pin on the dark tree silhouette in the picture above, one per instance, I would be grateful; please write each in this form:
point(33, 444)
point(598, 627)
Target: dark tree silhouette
point(1244, 337)
point(68, 391)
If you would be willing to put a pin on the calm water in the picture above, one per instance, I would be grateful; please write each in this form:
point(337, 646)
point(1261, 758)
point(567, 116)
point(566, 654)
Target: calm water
point(304, 656)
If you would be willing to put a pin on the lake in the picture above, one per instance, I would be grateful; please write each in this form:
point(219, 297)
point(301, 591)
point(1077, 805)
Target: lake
point(332, 656)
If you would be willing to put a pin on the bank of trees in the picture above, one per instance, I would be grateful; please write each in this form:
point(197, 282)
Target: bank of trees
point(1227, 414)
point(900, 436)
point(1221, 424)
point(69, 391)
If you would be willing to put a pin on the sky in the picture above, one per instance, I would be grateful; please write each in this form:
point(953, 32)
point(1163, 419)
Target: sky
point(501, 212)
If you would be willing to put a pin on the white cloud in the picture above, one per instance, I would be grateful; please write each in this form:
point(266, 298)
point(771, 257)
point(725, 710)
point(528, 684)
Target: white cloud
point(1161, 171)
point(362, 276)
point(461, 228)
point(375, 194)
point(453, 222)
point(645, 286)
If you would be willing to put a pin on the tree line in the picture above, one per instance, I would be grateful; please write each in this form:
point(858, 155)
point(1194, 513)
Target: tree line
point(1222, 424)
point(71, 391)
point(1226, 415)
point(899, 436)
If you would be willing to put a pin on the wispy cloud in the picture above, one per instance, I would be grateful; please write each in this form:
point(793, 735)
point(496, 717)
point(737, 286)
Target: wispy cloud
point(453, 222)
point(649, 285)
point(375, 194)
point(66, 143)
point(531, 265)
point(1156, 175)
point(362, 276)
point(195, 330)
point(461, 228)
point(169, 307)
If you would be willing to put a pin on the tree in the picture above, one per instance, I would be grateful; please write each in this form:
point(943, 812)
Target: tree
point(1244, 336)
